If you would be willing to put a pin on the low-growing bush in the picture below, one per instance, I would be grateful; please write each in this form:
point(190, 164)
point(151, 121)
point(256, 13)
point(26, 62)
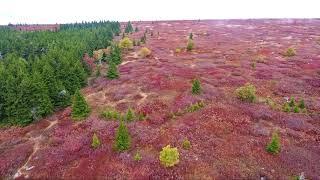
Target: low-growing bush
point(273, 146)
point(186, 144)
point(144, 52)
point(169, 157)
point(190, 45)
point(178, 50)
point(195, 107)
point(126, 43)
point(246, 92)
point(137, 156)
point(196, 87)
point(290, 52)
point(95, 141)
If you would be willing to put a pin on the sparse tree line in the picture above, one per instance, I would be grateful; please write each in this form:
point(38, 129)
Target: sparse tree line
point(41, 71)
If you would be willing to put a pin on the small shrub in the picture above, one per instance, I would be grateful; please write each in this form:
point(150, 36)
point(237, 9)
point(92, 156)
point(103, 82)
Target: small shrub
point(296, 109)
point(95, 141)
point(190, 45)
point(112, 71)
point(137, 156)
point(129, 115)
point(98, 72)
point(301, 104)
point(196, 87)
point(292, 102)
point(136, 30)
point(246, 92)
point(195, 107)
point(186, 144)
point(190, 36)
point(274, 146)
point(169, 156)
point(126, 43)
point(290, 52)
point(178, 50)
point(260, 59)
point(253, 65)
point(144, 52)
point(123, 139)
point(286, 107)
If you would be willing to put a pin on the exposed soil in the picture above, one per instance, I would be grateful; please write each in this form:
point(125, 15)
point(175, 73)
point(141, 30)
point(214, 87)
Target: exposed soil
point(228, 136)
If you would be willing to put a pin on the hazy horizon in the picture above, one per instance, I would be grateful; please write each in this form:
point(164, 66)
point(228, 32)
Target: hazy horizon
point(59, 11)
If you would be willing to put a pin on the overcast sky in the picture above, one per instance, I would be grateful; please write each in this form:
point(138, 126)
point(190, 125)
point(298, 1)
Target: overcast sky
point(62, 11)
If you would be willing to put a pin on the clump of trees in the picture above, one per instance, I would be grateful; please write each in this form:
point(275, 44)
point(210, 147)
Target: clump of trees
point(80, 108)
point(294, 106)
point(246, 92)
point(169, 156)
point(40, 70)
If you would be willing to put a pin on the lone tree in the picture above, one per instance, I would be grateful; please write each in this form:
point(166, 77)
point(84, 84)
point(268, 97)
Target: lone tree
point(123, 140)
point(196, 87)
point(190, 45)
point(274, 146)
point(190, 36)
point(80, 108)
point(128, 28)
point(112, 71)
point(95, 141)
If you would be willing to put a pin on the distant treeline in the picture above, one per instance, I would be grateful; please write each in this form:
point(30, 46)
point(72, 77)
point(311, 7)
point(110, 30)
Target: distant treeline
point(39, 71)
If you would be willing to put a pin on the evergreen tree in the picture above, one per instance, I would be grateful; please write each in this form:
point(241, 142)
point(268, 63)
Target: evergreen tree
point(196, 87)
point(129, 28)
point(274, 146)
point(136, 30)
point(80, 108)
point(115, 55)
point(112, 71)
point(129, 115)
point(123, 139)
point(95, 141)
point(190, 36)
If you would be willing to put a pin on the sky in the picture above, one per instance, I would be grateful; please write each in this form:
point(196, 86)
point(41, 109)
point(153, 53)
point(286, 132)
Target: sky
point(64, 11)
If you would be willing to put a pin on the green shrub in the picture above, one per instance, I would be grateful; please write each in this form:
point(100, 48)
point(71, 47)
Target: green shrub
point(190, 36)
point(292, 102)
point(273, 147)
point(98, 72)
point(286, 107)
point(186, 144)
point(95, 141)
point(80, 108)
point(123, 139)
point(296, 109)
point(301, 104)
point(112, 71)
point(137, 156)
point(169, 156)
point(246, 92)
point(195, 107)
point(290, 52)
point(196, 87)
point(129, 115)
point(190, 45)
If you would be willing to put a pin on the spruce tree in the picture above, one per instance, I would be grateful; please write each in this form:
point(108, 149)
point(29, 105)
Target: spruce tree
point(128, 28)
point(112, 71)
point(190, 36)
point(274, 146)
point(196, 87)
point(80, 108)
point(115, 55)
point(123, 139)
point(129, 115)
point(95, 141)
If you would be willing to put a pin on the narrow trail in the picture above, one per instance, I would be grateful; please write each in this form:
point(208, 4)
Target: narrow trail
point(36, 146)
